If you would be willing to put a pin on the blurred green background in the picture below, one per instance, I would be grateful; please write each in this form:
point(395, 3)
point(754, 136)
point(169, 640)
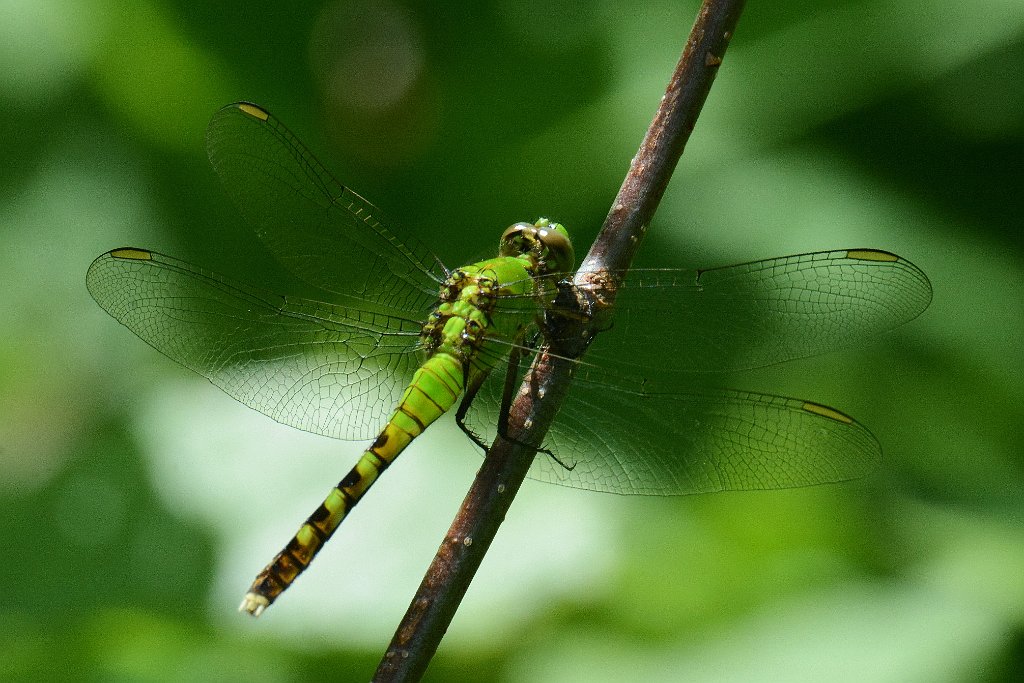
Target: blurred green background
point(138, 501)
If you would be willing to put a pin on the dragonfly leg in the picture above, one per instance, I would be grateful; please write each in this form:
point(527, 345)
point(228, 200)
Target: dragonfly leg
point(472, 387)
point(511, 382)
point(508, 393)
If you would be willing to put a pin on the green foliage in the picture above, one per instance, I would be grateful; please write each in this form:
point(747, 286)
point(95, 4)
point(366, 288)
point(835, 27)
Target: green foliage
point(138, 504)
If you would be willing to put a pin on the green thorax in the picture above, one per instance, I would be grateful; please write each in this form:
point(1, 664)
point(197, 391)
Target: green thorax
point(497, 298)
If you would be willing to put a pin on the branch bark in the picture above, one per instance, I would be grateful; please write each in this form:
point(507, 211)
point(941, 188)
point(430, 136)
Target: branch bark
point(549, 377)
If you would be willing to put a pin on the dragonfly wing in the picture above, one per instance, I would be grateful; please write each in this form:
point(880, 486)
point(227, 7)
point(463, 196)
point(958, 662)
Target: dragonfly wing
point(611, 438)
point(327, 369)
point(322, 231)
point(760, 313)
point(634, 442)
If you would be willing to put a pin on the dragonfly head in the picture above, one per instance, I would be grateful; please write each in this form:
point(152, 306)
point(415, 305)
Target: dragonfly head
point(547, 240)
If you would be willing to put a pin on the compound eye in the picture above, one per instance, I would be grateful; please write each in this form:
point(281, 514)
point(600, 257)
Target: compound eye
point(517, 239)
point(560, 256)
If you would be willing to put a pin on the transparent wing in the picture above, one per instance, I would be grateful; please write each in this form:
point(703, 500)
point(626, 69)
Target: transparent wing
point(622, 434)
point(625, 441)
point(759, 313)
point(332, 370)
point(613, 434)
point(323, 232)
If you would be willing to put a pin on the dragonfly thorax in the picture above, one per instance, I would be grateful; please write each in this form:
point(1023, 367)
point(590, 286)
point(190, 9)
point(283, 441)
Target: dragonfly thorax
point(458, 323)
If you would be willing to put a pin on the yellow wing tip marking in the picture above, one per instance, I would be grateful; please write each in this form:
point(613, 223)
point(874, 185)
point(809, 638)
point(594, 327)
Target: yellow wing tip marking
point(254, 111)
point(132, 254)
point(253, 604)
point(825, 411)
point(872, 255)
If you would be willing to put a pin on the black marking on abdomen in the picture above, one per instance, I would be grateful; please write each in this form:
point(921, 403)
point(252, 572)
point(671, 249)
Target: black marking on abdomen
point(351, 479)
point(292, 551)
point(268, 585)
point(382, 464)
point(317, 519)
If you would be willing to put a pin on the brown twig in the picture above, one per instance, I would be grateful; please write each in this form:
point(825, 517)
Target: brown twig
point(548, 379)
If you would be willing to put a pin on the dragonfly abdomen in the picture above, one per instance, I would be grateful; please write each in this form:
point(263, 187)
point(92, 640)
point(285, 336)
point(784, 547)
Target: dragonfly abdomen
point(434, 388)
point(460, 340)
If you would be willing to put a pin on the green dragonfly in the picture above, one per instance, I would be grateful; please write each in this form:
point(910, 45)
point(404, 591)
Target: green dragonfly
point(396, 340)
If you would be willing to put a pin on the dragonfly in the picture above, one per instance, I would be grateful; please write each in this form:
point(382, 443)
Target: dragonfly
point(395, 340)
